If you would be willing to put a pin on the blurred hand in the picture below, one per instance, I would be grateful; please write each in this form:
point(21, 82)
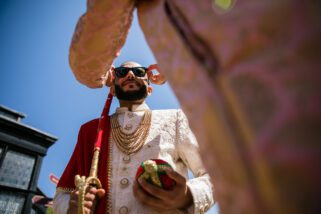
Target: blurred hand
point(90, 200)
point(162, 200)
point(159, 78)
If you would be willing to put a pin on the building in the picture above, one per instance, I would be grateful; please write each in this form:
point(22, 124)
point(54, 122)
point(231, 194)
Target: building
point(22, 149)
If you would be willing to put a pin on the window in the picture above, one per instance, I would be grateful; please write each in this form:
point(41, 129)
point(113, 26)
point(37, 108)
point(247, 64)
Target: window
point(16, 170)
point(11, 202)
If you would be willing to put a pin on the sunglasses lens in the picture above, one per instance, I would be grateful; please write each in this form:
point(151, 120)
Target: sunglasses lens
point(139, 71)
point(121, 72)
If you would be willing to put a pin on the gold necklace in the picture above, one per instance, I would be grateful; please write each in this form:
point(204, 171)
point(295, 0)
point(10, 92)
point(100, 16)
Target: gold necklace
point(132, 142)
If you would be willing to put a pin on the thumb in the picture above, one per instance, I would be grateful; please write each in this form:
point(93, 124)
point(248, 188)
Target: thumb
point(100, 193)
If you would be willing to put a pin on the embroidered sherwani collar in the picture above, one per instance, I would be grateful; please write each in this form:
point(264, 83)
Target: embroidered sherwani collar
point(135, 108)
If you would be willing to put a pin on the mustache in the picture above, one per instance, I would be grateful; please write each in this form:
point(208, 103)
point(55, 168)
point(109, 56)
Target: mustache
point(137, 82)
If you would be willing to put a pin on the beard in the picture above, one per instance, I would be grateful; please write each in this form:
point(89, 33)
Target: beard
point(139, 94)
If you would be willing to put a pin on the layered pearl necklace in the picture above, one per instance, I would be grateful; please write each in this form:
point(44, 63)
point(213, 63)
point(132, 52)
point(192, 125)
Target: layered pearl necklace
point(132, 142)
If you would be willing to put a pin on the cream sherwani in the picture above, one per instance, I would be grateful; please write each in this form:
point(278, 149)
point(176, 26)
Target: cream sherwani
point(169, 139)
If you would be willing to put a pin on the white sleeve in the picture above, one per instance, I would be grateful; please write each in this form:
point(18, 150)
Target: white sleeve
point(61, 202)
point(200, 186)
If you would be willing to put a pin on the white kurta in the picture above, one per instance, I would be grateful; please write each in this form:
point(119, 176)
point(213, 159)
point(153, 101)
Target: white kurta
point(169, 139)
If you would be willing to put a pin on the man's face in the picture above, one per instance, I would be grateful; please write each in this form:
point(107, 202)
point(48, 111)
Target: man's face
point(131, 87)
point(131, 82)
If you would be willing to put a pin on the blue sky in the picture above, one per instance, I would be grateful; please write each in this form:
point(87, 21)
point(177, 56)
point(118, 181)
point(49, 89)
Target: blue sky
point(36, 78)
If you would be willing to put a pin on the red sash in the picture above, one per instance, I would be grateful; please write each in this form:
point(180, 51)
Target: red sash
point(92, 134)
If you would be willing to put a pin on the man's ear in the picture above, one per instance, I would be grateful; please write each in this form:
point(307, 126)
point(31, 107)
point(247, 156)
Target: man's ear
point(110, 76)
point(149, 90)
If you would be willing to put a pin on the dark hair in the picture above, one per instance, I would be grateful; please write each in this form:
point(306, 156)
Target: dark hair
point(139, 94)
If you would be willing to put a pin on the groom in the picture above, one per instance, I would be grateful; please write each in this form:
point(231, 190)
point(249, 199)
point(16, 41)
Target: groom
point(137, 134)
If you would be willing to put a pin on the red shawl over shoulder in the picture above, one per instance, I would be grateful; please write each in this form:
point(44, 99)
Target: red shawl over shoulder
point(80, 162)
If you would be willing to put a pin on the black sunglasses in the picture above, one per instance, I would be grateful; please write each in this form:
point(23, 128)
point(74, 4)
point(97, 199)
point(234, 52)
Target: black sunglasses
point(121, 72)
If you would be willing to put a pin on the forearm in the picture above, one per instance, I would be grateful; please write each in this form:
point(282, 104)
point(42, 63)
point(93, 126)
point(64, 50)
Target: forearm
point(100, 33)
point(200, 186)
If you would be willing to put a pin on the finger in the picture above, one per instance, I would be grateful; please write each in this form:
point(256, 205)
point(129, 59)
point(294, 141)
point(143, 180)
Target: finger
point(139, 193)
point(90, 197)
point(153, 67)
point(158, 79)
point(178, 178)
point(146, 199)
point(149, 69)
point(100, 193)
point(138, 188)
point(87, 210)
point(90, 193)
point(153, 78)
point(155, 191)
point(88, 204)
point(92, 190)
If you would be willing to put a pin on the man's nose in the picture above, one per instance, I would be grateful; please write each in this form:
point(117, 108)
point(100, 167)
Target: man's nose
point(130, 74)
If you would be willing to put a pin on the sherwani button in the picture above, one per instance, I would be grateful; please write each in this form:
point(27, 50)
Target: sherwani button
point(126, 158)
point(130, 114)
point(128, 127)
point(123, 210)
point(124, 181)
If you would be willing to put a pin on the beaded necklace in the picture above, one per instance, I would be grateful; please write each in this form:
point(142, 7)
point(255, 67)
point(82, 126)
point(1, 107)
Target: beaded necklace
point(130, 143)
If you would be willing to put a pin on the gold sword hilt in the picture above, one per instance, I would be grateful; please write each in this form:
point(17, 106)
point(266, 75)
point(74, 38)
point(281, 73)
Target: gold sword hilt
point(83, 182)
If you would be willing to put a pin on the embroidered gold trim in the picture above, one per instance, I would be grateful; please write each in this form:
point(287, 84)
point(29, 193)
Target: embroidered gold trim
point(65, 189)
point(150, 167)
point(164, 168)
point(109, 174)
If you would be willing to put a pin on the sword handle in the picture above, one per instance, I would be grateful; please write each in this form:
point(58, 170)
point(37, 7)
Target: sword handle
point(82, 183)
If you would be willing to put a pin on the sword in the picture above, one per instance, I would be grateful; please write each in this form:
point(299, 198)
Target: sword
point(83, 182)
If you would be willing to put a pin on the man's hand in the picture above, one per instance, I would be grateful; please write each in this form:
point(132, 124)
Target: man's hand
point(159, 78)
point(90, 200)
point(163, 200)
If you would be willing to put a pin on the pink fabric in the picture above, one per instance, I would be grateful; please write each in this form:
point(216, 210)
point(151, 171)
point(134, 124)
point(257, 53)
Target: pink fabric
point(100, 33)
point(249, 81)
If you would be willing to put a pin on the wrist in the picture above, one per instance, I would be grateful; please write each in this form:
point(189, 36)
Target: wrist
point(188, 199)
